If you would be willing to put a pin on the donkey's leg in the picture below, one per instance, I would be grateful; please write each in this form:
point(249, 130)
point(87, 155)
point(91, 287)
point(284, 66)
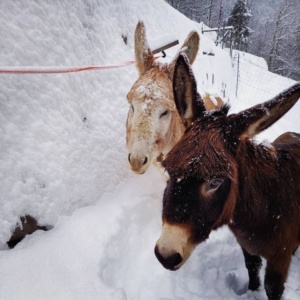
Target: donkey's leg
point(276, 273)
point(253, 265)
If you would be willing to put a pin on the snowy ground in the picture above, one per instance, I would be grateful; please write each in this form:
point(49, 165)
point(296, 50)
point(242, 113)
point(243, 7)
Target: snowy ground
point(63, 158)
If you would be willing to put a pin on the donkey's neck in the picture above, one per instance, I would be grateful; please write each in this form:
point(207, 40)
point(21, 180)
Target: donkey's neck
point(174, 134)
point(261, 186)
point(268, 197)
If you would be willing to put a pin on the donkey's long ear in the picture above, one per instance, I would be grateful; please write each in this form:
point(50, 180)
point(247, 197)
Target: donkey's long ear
point(143, 53)
point(188, 102)
point(252, 121)
point(190, 47)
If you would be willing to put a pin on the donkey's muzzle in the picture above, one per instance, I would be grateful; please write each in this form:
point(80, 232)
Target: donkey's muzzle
point(138, 163)
point(170, 261)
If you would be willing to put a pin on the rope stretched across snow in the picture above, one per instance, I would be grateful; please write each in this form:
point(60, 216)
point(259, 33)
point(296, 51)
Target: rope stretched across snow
point(58, 70)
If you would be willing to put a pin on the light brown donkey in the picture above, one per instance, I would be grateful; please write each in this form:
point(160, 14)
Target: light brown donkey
point(153, 123)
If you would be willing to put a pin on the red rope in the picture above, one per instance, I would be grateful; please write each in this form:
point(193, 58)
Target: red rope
point(57, 70)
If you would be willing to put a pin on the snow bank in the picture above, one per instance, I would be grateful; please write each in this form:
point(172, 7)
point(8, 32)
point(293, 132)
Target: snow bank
point(63, 136)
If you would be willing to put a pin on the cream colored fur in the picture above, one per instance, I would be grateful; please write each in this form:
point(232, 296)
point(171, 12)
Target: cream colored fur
point(151, 134)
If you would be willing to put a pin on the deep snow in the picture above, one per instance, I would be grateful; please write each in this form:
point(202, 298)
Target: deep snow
point(63, 158)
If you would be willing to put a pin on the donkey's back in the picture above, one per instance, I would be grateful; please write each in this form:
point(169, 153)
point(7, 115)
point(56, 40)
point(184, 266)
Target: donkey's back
point(291, 142)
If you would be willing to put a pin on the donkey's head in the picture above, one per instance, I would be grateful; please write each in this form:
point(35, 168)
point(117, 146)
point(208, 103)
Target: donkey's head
point(204, 166)
point(153, 124)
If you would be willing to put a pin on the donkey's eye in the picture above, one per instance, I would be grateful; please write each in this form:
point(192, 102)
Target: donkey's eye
point(213, 184)
point(164, 113)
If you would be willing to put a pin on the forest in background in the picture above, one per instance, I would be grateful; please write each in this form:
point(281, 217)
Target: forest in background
point(274, 27)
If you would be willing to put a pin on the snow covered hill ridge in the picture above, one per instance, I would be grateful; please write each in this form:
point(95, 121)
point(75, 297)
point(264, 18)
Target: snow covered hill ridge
point(63, 158)
point(70, 128)
point(63, 136)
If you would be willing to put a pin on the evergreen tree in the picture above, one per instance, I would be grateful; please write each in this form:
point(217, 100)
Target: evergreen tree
point(239, 19)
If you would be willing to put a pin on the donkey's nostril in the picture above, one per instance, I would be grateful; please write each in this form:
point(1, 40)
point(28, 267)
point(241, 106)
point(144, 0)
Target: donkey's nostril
point(145, 160)
point(129, 157)
point(173, 260)
point(169, 262)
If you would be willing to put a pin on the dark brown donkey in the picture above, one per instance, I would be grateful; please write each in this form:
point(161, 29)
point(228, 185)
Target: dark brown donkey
point(219, 176)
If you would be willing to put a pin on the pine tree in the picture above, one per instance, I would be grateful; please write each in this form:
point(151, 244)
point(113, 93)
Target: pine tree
point(239, 19)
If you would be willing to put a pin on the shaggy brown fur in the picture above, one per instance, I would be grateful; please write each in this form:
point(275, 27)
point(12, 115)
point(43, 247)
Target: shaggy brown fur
point(218, 176)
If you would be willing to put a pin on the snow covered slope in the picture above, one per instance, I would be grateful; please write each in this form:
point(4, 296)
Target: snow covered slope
point(63, 159)
point(63, 136)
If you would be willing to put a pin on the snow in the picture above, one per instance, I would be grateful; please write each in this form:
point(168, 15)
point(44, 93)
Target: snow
point(162, 41)
point(63, 158)
point(257, 84)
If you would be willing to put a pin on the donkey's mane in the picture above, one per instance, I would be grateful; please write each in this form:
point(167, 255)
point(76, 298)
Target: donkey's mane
point(222, 111)
point(225, 108)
